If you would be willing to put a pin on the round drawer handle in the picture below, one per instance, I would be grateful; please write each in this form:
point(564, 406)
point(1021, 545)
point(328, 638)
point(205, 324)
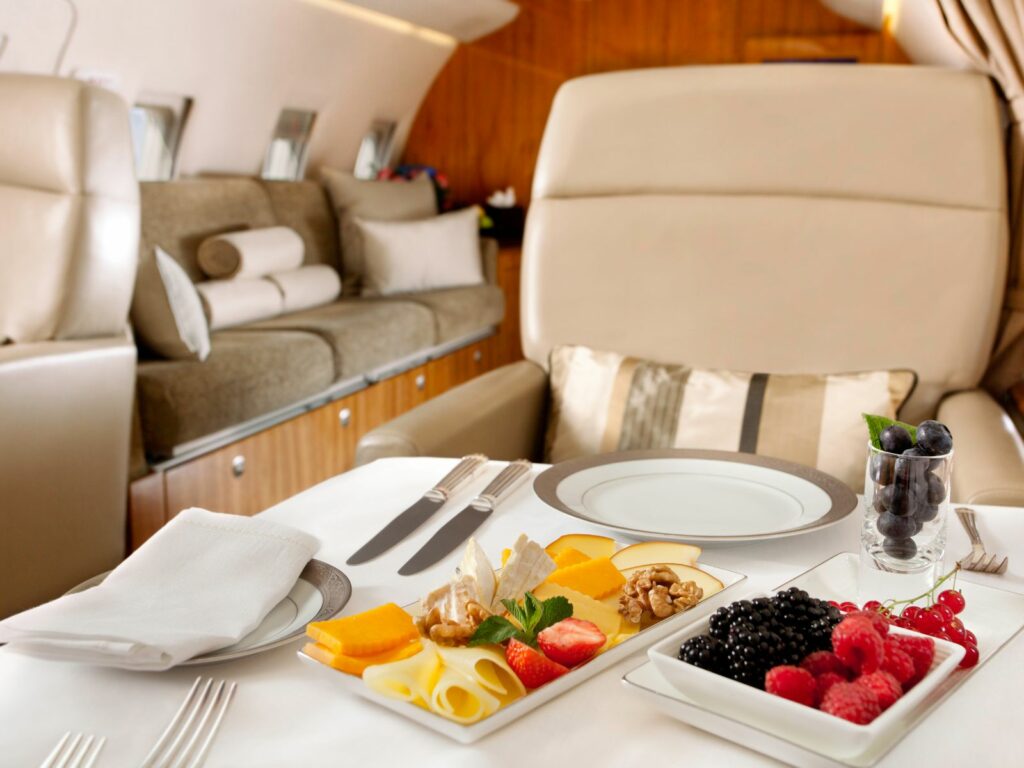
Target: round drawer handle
point(345, 416)
point(477, 355)
point(238, 466)
point(421, 381)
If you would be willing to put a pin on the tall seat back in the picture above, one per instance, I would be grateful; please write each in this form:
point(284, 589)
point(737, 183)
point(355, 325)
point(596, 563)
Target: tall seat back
point(775, 218)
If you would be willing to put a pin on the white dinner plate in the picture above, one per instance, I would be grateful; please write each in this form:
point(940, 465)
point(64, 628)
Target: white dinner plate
point(320, 593)
point(994, 615)
point(468, 734)
point(696, 496)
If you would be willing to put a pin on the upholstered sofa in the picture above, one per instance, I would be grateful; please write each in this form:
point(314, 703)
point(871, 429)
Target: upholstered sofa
point(786, 219)
point(264, 370)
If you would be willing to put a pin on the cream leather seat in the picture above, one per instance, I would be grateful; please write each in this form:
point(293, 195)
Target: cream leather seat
point(790, 219)
point(68, 250)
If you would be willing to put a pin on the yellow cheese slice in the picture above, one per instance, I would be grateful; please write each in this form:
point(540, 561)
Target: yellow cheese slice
point(486, 666)
point(584, 607)
point(461, 699)
point(411, 679)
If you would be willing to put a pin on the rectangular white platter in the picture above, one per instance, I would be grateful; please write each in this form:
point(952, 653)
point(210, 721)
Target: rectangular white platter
point(994, 615)
point(467, 734)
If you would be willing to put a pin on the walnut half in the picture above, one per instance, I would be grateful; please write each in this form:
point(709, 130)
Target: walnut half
point(450, 633)
point(656, 593)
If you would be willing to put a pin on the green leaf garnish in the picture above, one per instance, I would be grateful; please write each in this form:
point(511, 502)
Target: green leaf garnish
point(877, 423)
point(533, 616)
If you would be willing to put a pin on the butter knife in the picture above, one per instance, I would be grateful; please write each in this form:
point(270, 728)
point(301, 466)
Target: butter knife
point(412, 518)
point(461, 527)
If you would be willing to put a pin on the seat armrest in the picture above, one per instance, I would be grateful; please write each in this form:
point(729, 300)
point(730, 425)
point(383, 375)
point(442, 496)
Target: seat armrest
point(500, 414)
point(489, 259)
point(988, 467)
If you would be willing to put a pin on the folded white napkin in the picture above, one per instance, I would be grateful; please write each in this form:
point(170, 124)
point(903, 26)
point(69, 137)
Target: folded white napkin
point(201, 583)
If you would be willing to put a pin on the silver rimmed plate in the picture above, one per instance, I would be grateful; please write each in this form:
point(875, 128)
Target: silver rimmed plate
point(320, 593)
point(696, 496)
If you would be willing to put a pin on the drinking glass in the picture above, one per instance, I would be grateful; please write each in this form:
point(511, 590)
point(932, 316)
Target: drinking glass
point(906, 501)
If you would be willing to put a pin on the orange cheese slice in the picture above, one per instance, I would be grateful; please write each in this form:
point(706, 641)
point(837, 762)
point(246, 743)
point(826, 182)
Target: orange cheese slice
point(570, 556)
point(596, 578)
point(364, 634)
point(355, 665)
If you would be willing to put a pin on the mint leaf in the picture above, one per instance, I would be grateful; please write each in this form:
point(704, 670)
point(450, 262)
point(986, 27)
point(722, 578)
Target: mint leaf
point(494, 630)
point(877, 423)
point(534, 612)
point(553, 610)
point(517, 611)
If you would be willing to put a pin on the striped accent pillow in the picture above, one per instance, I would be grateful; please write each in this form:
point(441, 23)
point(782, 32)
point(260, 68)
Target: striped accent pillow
point(603, 401)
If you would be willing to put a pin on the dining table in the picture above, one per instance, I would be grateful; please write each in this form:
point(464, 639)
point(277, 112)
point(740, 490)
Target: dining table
point(287, 714)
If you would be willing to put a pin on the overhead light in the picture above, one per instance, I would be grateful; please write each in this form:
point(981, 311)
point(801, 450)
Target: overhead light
point(386, 22)
point(890, 15)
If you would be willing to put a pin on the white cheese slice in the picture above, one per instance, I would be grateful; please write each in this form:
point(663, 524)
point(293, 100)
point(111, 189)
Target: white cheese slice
point(477, 567)
point(527, 566)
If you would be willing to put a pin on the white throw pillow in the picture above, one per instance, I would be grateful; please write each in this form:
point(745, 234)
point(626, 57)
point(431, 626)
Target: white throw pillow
point(251, 253)
point(306, 287)
point(404, 256)
point(167, 313)
point(234, 302)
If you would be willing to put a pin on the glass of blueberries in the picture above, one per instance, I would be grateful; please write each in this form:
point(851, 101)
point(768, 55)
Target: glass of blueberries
point(906, 495)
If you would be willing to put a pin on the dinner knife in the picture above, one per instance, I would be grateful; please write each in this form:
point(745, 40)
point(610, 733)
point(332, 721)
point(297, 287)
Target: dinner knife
point(412, 518)
point(459, 528)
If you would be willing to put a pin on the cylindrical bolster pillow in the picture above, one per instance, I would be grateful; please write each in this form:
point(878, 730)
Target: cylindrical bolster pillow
point(251, 253)
point(233, 302)
point(307, 287)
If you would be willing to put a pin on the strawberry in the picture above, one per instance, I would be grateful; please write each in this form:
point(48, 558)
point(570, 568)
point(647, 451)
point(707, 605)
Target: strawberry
point(571, 641)
point(530, 666)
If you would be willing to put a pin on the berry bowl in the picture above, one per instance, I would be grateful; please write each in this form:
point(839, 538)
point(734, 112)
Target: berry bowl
point(788, 719)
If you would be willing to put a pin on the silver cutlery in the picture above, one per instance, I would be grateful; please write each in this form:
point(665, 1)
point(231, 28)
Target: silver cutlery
point(978, 559)
point(75, 750)
point(412, 518)
point(187, 738)
point(460, 527)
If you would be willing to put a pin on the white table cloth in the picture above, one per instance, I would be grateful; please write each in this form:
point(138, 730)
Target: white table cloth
point(285, 715)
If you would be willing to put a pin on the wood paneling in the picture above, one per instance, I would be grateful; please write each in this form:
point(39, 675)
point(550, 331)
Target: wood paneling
point(482, 121)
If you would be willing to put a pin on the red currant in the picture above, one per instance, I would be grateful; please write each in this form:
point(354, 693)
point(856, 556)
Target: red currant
point(848, 607)
point(872, 605)
point(970, 657)
point(833, 603)
point(945, 611)
point(956, 633)
point(905, 623)
point(952, 599)
point(970, 637)
point(910, 612)
point(929, 622)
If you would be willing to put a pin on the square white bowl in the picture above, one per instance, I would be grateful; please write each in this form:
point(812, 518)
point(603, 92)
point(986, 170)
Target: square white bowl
point(788, 719)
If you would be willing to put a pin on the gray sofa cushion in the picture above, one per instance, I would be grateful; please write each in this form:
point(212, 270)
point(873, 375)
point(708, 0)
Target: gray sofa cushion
point(247, 374)
point(364, 334)
point(461, 311)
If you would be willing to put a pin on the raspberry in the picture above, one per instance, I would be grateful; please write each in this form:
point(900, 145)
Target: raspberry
point(896, 662)
point(858, 645)
point(856, 703)
point(878, 621)
point(821, 662)
point(886, 687)
point(791, 683)
point(824, 681)
point(921, 650)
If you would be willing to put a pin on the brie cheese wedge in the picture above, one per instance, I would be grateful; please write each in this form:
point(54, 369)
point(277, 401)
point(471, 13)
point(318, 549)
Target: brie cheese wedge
point(527, 566)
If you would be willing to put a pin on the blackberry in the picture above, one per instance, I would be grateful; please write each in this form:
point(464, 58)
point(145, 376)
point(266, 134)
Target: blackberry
point(749, 637)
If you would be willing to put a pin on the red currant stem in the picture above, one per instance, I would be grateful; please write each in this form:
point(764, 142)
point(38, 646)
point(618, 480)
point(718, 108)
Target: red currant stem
point(889, 604)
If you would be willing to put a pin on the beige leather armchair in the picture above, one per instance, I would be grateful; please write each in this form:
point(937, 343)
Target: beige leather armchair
point(790, 219)
point(68, 250)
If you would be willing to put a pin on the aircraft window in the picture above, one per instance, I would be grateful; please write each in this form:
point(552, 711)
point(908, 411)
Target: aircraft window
point(375, 150)
point(157, 122)
point(286, 155)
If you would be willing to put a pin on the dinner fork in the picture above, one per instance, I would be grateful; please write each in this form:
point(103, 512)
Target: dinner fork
point(182, 742)
point(978, 559)
point(74, 750)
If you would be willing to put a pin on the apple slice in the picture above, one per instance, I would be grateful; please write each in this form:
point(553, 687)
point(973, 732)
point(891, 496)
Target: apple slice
point(685, 572)
point(655, 552)
point(587, 543)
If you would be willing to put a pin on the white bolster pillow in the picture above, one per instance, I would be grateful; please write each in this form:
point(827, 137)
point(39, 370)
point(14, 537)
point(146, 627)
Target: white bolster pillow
point(307, 287)
point(233, 302)
point(251, 253)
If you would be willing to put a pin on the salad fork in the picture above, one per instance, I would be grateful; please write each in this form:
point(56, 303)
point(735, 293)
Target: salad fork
point(77, 750)
point(978, 559)
point(187, 738)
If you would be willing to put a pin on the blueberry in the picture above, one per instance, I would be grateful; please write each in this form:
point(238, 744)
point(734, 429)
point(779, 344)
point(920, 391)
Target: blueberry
point(893, 527)
point(936, 489)
point(901, 549)
point(894, 439)
point(883, 498)
point(934, 439)
point(913, 452)
point(882, 467)
point(918, 525)
point(926, 513)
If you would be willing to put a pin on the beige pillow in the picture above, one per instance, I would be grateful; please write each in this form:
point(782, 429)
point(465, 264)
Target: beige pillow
point(373, 200)
point(233, 302)
point(307, 287)
point(406, 256)
point(167, 314)
point(251, 253)
point(603, 401)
